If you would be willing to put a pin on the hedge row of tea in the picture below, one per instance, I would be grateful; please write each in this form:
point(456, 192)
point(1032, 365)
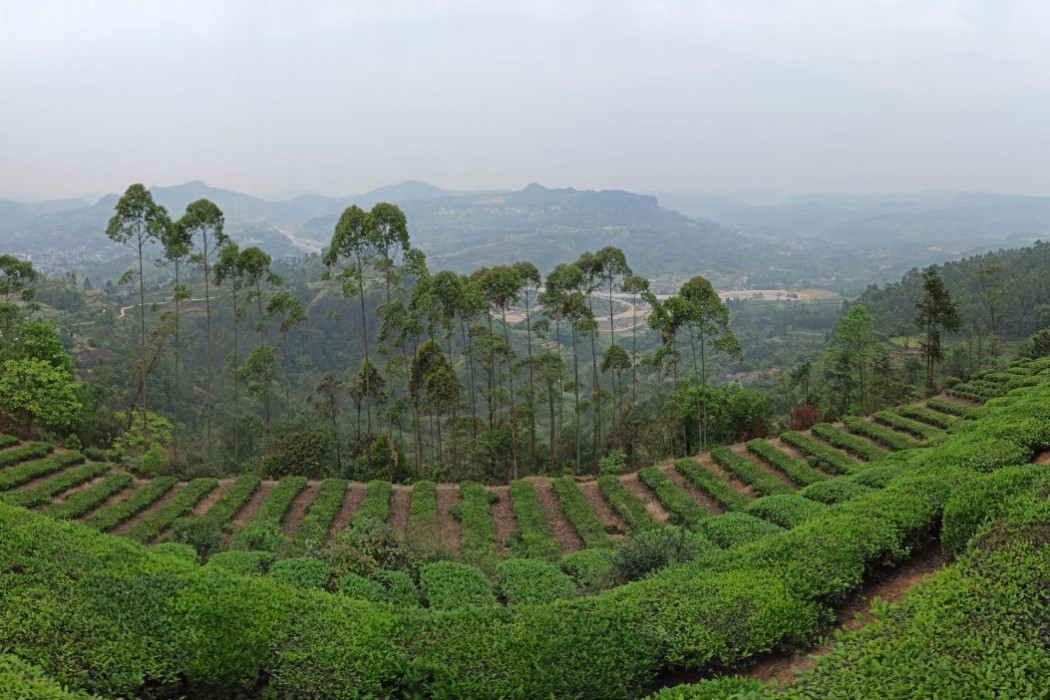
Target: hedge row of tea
point(107, 615)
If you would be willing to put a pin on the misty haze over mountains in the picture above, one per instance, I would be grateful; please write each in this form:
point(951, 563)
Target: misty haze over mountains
point(883, 235)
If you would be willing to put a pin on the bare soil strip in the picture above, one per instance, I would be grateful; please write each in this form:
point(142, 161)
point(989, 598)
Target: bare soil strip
point(355, 496)
point(609, 518)
point(293, 518)
point(637, 488)
point(710, 465)
point(957, 399)
point(502, 514)
point(153, 508)
point(450, 530)
point(892, 586)
point(561, 528)
point(252, 506)
point(762, 464)
point(205, 504)
point(400, 507)
point(788, 449)
point(688, 489)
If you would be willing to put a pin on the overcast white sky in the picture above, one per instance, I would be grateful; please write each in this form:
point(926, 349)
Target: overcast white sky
point(342, 97)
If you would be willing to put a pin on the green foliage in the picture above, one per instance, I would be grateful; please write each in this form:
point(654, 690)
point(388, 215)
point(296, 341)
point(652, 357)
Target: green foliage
point(25, 472)
point(878, 476)
point(33, 450)
point(243, 562)
point(447, 585)
point(800, 473)
point(301, 572)
point(181, 503)
point(263, 530)
point(142, 433)
point(748, 472)
point(734, 528)
point(834, 490)
point(397, 586)
point(682, 509)
point(479, 532)
point(710, 484)
point(532, 521)
point(313, 530)
point(615, 462)
point(926, 415)
point(652, 550)
point(183, 552)
point(23, 681)
point(8, 441)
point(721, 688)
point(77, 504)
point(579, 513)
point(423, 517)
point(377, 502)
point(907, 425)
point(590, 569)
point(786, 510)
point(880, 433)
point(630, 508)
point(44, 492)
point(532, 582)
point(108, 517)
point(233, 500)
point(820, 455)
point(360, 588)
point(850, 443)
point(365, 546)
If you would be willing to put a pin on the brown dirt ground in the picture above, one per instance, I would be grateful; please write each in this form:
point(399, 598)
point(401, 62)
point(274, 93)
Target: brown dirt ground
point(251, 507)
point(205, 504)
point(400, 508)
point(694, 493)
point(892, 587)
point(710, 465)
point(355, 496)
point(1042, 458)
point(609, 518)
point(762, 464)
point(150, 510)
point(646, 496)
point(293, 517)
point(450, 530)
point(788, 449)
point(561, 528)
point(502, 514)
point(957, 399)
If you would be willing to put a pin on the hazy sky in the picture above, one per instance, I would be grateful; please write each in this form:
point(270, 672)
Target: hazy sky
point(341, 97)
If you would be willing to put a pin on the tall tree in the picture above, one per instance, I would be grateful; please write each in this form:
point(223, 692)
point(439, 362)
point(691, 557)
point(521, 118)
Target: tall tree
point(16, 284)
point(634, 285)
point(850, 355)
point(530, 284)
point(177, 243)
point(228, 268)
point(255, 272)
point(388, 234)
point(936, 312)
point(990, 289)
point(288, 307)
point(203, 221)
point(565, 299)
point(502, 287)
point(138, 222)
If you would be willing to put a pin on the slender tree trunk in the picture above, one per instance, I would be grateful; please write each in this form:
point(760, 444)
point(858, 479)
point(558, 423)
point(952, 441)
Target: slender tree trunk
point(553, 435)
point(142, 342)
point(576, 392)
point(532, 385)
point(513, 416)
point(367, 366)
point(175, 389)
point(207, 325)
point(236, 383)
point(453, 402)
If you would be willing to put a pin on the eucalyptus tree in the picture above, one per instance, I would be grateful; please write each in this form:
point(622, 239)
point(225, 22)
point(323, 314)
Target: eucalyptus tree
point(326, 400)
point(850, 355)
point(352, 251)
point(707, 317)
point(591, 265)
point(16, 283)
point(203, 221)
point(387, 231)
point(989, 284)
point(431, 379)
point(177, 245)
point(935, 312)
point(501, 286)
point(550, 368)
point(530, 284)
point(445, 293)
point(290, 310)
point(668, 318)
point(228, 269)
point(613, 271)
point(565, 286)
point(634, 285)
point(139, 222)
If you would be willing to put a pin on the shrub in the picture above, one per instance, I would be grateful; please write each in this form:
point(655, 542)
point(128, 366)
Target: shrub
point(365, 546)
point(376, 504)
point(109, 517)
point(579, 513)
point(657, 549)
point(682, 509)
point(786, 510)
point(233, 500)
point(313, 531)
point(24, 472)
point(720, 688)
point(590, 569)
point(834, 490)
point(202, 534)
point(263, 530)
point(44, 492)
point(710, 484)
point(820, 455)
point(850, 443)
point(423, 517)
point(800, 473)
point(182, 552)
point(448, 585)
point(301, 572)
point(630, 508)
point(920, 430)
point(532, 581)
point(8, 441)
point(479, 532)
point(33, 450)
point(360, 588)
point(928, 415)
point(804, 417)
point(732, 529)
point(747, 471)
point(242, 561)
point(398, 587)
point(77, 504)
point(880, 433)
point(532, 521)
point(614, 463)
point(147, 529)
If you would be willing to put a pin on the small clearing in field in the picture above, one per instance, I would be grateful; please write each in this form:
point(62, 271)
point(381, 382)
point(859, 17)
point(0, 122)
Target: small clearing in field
point(294, 517)
point(450, 530)
point(400, 508)
point(355, 496)
point(503, 514)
